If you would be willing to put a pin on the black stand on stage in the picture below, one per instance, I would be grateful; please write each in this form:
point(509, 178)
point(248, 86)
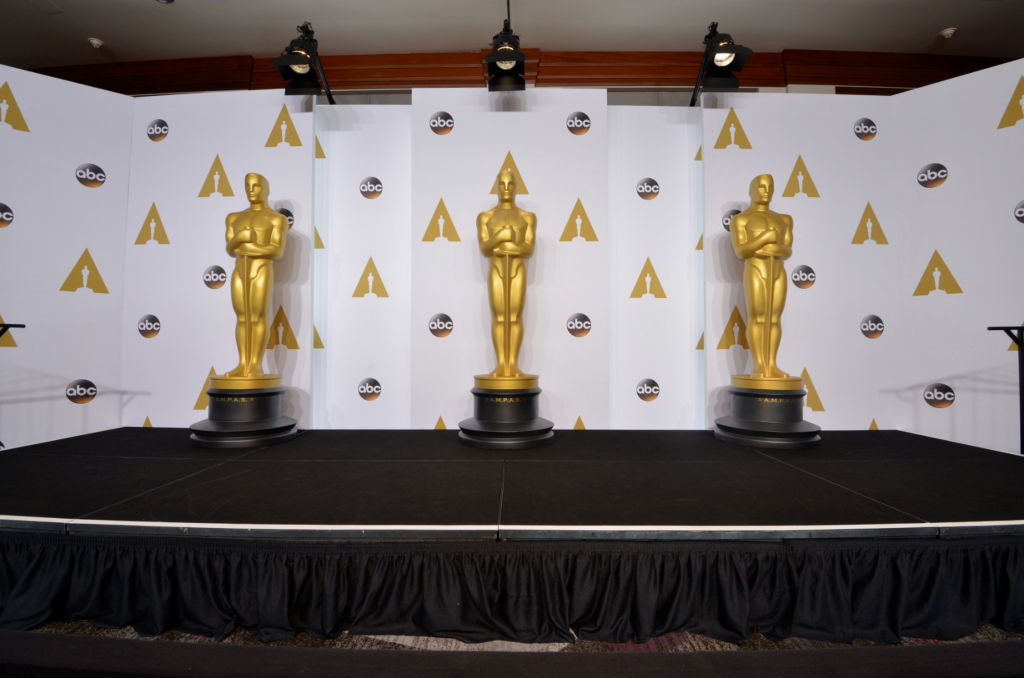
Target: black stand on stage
point(505, 419)
point(767, 418)
point(244, 418)
point(1016, 332)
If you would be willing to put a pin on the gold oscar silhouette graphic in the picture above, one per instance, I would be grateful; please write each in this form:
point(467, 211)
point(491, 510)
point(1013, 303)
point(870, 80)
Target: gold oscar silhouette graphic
point(505, 400)
point(245, 403)
point(767, 403)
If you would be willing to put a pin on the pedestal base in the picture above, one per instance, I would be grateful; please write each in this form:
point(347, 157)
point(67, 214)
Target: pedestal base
point(506, 419)
point(768, 419)
point(243, 418)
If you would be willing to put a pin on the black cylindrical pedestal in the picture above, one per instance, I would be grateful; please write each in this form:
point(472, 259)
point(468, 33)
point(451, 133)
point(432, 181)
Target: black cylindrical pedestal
point(766, 418)
point(243, 418)
point(505, 419)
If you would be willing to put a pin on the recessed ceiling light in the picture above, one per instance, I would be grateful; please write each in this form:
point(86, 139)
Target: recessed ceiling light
point(165, 2)
point(948, 33)
point(96, 42)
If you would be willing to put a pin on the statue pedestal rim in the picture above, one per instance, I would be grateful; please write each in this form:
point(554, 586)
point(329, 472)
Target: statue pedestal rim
point(768, 383)
point(493, 383)
point(245, 383)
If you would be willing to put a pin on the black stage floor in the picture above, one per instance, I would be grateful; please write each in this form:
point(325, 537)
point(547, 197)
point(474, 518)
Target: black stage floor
point(425, 485)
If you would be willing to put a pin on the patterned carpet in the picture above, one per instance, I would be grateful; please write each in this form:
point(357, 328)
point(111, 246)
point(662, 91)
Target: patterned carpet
point(670, 642)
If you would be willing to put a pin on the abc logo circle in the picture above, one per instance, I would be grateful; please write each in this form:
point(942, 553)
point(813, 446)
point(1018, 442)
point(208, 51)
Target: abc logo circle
point(369, 389)
point(865, 129)
point(149, 326)
point(90, 175)
point(578, 123)
point(939, 395)
point(803, 277)
point(6, 215)
point(287, 213)
point(1018, 213)
point(81, 391)
point(647, 390)
point(441, 325)
point(727, 219)
point(647, 188)
point(371, 188)
point(442, 122)
point(157, 130)
point(932, 175)
point(578, 325)
point(215, 277)
point(871, 326)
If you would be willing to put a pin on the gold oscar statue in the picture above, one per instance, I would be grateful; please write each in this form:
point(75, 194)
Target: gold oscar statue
point(255, 238)
point(505, 402)
point(767, 404)
point(764, 239)
point(506, 234)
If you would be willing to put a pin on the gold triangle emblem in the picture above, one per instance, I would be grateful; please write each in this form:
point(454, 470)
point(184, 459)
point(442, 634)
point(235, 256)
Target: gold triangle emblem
point(578, 426)
point(578, 226)
point(152, 229)
point(7, 340)
point(732, 133)
point(441, 225)
point(813, 400)
point(283, 131)
point(281, 331)
point(647, 283)
point(370, 283)
point(873, 426)
point(510, 165)
point(203, 401)
point(318, 242)
point(937, 276)
point(10, 112)
point(439, 426)
point(147, 423)
point(800, 181)
point(700, 342)
point(85, 274)
point(700, 244)
point(869, 229)
point(1013, 114)
point(735, 333)
point(1013, 344)
point(216, 181)
point(319, 150)
point(700, 153)
point(317, 341)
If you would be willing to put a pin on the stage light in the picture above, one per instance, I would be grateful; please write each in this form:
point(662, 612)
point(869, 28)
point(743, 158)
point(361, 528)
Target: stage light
point(722, 58)
point(506, 65)
point(299, 64)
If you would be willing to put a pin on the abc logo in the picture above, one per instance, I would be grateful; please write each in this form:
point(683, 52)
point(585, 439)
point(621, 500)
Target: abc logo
point(647, 390)
point(442, 122)
point(647, 188)
point(81, 391)
point(369, 389)
point(1018, 213)
point(871, 326)
point(939, 395)
point(803, 277)
point(215, 277)
point(865, 129)
point(288, 215)
point(727, 219)
point(578, 325)
point(149, 326)
point(578, 123)
point(7, 215)
point(932, 175)
point(371, 188)
point(90, 175)
point(157, 130)
point(441, 325)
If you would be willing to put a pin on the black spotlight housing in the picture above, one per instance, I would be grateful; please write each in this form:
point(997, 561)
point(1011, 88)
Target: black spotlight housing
point(722, 58)
point(506, 65)
point(299, 65)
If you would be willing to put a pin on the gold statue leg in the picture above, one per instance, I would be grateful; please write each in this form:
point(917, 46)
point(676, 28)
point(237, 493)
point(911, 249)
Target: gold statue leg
point(516, 296)
point(261, 282)
point(239, 302)
point(507, 291)
point(499, 327)
point(778, 289)
point(756, 292)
